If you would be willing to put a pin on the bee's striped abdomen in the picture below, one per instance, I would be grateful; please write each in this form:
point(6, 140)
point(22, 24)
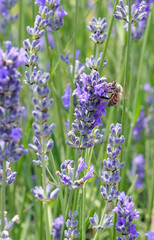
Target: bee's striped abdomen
point(114, 100)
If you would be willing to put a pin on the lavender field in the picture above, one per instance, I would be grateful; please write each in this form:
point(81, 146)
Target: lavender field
point(76, 119)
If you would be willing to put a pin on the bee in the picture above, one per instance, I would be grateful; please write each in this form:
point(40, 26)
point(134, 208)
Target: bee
point(116, 94)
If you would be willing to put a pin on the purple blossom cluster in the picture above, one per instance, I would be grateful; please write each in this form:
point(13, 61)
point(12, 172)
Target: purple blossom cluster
point(70, 177)
point(10, 109)
point(71, 224)
point(11, 149)
point(150, 235)
point(138, 168)
point(51, 17)
point(107, 222)
point(91, 90)
point(10, 176)
point(126, 214)
point(110, 173)
point(66, 97)
point(5, 17)
point(57, 227)
point(4, 234)
point(139, 126)
point(139, 14)
point(98, 27)
point(39, 193)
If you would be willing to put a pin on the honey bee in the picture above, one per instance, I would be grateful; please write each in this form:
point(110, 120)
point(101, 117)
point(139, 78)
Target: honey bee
point(116, 94)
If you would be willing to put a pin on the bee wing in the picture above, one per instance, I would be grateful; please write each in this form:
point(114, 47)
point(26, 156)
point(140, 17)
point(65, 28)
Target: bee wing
point(125, 94)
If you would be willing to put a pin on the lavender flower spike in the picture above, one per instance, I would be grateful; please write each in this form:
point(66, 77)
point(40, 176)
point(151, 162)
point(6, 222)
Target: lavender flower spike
point(10, 176)
point(90, 90)
point(110, 173)
point(71, 225)
point(138, 13)
point(93, 64)
point(57, 227)
point(138, 168)
point(98, 29)
point(10, 110)
point(4, 235)
point(38, 192)
point(150, 235)
point(67, 173)
point(107, 222)
point(126, 214)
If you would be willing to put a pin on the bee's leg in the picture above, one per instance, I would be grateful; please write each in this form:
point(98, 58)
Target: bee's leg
point(108, 97)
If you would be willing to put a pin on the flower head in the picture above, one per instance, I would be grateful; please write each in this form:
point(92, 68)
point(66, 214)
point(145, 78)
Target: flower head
point(150, 235)
point(39, 193)
point(126, 214)
point(110, 173)
point(71, 225)
point(57, 227)
point(138, 168)
point(68, 177)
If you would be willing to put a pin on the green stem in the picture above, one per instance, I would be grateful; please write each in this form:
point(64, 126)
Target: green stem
point(125, 85)
point(108, 38)
point(47, 227)
point(3, 195)
point(136, 98)
point(83, 211)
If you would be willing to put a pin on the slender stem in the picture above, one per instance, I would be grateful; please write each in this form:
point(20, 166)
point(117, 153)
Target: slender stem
point(83, 211)
point(102, 218)
point(136, 96)
point(3, 195)
point(125, 85)
point(108, 38)
point(45, 204)
point(44, 177)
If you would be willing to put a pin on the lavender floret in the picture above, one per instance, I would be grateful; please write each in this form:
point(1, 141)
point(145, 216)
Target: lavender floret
point(138, 168)
point(71, 225)
point(50, 195)
point(107, 222)
point(126, 214)
point(110, 173)
point(4, 234)
point(57, 227)
point(98, 29)
point(68, 177)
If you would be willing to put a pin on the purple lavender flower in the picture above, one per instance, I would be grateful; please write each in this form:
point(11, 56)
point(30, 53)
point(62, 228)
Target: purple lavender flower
point(110, 173)
point(126, 214)
point(93, 64)
point(98, 29)
point(149, 89)
point(57, 227)
point(68, 177)
point(150, 235)
point(10, 176)
point(49, 17)
point(90, 91)
point(5, 17)
point(137, 29)
point(139, 14)
point(107, 222)
point(42, 103)
point(66, 97)
point(65, 58)
point(71, 225)
point(138, 168)
point(4, 234)
point(139, 126)
point(10, 109)
point(38, 192)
